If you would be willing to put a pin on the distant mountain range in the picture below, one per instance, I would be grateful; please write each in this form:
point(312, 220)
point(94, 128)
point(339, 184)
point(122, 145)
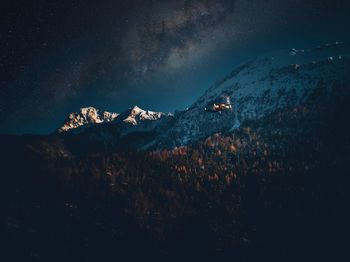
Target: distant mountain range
point(273, 81)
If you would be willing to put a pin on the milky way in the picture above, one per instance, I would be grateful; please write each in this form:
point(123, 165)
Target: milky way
point(57, 57)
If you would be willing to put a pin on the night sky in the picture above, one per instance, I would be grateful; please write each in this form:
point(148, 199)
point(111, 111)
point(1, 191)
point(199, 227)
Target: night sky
point(58, 56)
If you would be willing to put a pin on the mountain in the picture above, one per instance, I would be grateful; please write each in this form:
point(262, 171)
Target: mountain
point(137, 116)
point(92, 129)
point(263, 178)
point(86, 116)
point(273, 81)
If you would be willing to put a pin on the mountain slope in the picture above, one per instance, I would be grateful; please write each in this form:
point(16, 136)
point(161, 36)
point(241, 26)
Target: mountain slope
point(274, 81)
point(271, 82)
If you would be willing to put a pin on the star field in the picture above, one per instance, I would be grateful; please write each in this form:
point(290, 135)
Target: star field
point(58, 56)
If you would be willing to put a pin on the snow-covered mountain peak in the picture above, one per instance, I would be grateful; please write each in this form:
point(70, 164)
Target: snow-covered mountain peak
point(134, 119)
point(136, 110)
point(85, 116)
point(135, 115)
point(133, 128)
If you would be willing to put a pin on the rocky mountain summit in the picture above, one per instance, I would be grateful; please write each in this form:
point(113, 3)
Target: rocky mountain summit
point(86, 116)
point(133, 128)
point(90, 116)
point(136, 116)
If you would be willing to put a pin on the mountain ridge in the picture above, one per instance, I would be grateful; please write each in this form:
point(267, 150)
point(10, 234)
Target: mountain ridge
point(270, 82)
point(86, 116)
point(261, 86)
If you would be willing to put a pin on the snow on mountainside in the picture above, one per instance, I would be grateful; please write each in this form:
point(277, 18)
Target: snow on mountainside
point(87, 115)
point(136, 115)
point(270, 82)
point(273, 81)
point(133, 128)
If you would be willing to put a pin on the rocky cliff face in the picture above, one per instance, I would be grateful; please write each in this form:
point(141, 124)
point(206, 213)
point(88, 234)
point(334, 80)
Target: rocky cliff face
point(86, 116)
point(89, 116)
point(133, 128)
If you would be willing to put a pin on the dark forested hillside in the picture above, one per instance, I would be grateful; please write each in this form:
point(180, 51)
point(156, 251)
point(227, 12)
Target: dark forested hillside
point(276, 188)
